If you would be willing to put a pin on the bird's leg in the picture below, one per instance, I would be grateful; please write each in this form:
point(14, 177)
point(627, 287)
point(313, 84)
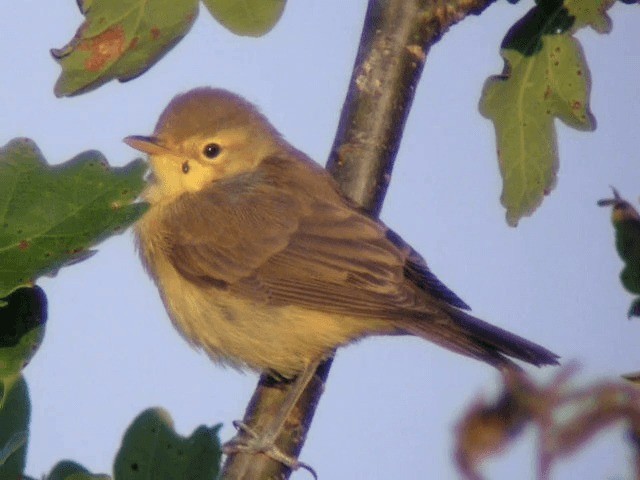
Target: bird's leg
point(250, 441)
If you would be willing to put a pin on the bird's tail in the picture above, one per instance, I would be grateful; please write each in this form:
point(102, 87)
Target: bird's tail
point(468, 335)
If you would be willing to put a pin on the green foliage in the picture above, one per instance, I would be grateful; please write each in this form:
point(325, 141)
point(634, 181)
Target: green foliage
point(547, 18)
point(68, 470)
point(554, 82)
point(22, 325)
point(152, 449)
point(246, 17)
point(626, 222)
point(120, 39)
point(591, 13)
point(545, 77)
point(15, 410)
point(50, 215)
point(22, 319)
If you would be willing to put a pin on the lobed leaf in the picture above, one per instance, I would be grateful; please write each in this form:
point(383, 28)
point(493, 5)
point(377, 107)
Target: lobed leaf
point(592, 13)
point(152, 449)
point(554, 82)
point(120, 39)
point(545, 77)
point(51, 215)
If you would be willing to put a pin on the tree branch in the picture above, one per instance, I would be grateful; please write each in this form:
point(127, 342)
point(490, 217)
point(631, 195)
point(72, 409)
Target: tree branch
point(396, 37)
point(395, 41)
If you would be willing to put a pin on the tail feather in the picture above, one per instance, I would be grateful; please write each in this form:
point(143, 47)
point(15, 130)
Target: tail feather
point(468, 335)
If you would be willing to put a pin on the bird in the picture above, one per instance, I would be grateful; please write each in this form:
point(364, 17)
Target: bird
point(265, 265)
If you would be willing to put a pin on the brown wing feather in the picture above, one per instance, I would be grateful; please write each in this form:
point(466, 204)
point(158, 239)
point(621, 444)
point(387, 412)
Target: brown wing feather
point(285, 246)
point(225, 233)
point(279, 237)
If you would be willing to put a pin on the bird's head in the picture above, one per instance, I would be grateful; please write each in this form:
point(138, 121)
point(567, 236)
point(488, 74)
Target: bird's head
point(202, 136)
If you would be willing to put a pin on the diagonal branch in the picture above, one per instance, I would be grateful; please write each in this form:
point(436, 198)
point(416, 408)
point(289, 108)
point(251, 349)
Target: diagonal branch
point(396, 37)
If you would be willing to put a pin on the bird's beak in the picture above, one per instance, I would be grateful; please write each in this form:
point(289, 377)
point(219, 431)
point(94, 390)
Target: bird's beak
point(148, 145)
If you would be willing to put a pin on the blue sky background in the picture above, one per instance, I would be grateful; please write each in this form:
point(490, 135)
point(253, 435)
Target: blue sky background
point(390, 403)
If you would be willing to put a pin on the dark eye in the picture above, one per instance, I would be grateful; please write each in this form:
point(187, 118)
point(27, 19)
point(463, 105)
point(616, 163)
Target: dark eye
point(211, 150)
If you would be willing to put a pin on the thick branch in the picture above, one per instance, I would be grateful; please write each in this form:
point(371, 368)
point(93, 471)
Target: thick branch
point(395, 40)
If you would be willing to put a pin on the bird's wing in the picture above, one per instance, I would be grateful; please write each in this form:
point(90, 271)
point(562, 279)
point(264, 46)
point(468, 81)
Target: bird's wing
point(281, 244)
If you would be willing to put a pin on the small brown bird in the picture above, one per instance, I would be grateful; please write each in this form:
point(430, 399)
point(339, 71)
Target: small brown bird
point(264, 264)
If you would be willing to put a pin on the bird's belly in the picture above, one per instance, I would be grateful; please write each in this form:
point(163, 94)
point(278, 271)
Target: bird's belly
point(252, 335)
point(243, 333)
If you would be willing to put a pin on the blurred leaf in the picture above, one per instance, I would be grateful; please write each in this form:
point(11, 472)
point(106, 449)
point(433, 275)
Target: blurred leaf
point(522, 104)
point(51, 215)
point(590, 13)
point(68, 470)
point(152, 449)
point(22, 325)
point(246, 17)
point(566, 416)
point(626, 222)
point(634, 309)
point(633, 377)
point(15, 410)
point(120, 39)
point(487, 428)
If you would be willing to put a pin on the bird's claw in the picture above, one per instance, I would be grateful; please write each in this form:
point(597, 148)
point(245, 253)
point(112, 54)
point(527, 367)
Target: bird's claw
point(253, 443)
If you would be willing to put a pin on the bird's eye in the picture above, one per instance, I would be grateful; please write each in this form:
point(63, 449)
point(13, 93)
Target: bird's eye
point(211, 150)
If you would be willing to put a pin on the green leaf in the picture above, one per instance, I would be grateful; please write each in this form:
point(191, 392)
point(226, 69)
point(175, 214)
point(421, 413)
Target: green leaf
point(522, 103)
point(15, 410)
point(22, 325)
point(548, 17)
point(68, 470)
point(545, 76)
point(246, 17)
point(152, 449)
point(51, 215)
point(22, 321)
point(590, 13)
point(626, 222)
point(120, 39)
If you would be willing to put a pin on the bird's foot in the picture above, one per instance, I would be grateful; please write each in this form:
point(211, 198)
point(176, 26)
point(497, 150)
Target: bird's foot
point(248, 441)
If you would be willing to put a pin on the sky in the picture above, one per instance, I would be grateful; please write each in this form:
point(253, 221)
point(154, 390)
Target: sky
point(391, 403)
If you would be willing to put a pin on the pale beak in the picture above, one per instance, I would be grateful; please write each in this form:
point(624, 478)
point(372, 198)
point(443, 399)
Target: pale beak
point(148, 145)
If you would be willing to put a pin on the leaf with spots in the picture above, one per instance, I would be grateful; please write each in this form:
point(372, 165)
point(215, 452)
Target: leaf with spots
point(252, 18)
point(51, 215)
point(522, 103)
point(151, 448)
point(545, 77)
point(626, 222)
point(120, 39)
